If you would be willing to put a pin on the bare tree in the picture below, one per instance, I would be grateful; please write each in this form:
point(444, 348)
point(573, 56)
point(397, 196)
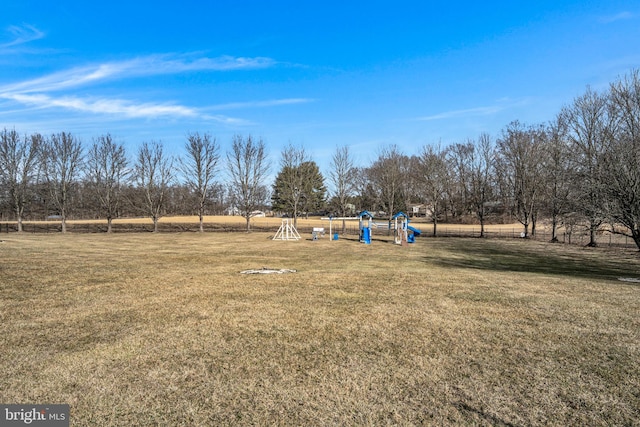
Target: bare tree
point(107, 173)
point(458, 158)
point(556, 170)
point(622, 157)
point(588, 128)
point(18, 168)
point(366, 197)
point(154, 174)
point(199, 167)
point(62, 159)
point(343, 177)
point(433, 177)
point(247, 166)
point(519, 152)
point(481, 178)
point(389, 174)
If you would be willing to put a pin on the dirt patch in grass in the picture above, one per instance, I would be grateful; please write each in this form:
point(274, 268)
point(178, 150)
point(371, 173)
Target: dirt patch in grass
point(148, 329)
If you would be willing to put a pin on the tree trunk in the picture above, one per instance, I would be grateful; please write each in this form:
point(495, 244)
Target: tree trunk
point(533, 226)
point(636, 237)
point(109, 221)
point(481, 218)
point(201, 223)
point(554, 229)
point(592, 236)
point(19, 218)
point(63, 221)
point(155, 224)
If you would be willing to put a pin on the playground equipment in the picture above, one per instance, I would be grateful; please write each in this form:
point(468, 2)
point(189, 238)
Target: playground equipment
point(317, 232)
point(365, 221)
point(287, 231)
point(334, 235)
point(403, 232)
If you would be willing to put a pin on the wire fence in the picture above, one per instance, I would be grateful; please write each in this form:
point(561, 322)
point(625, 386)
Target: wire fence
point(581, 238)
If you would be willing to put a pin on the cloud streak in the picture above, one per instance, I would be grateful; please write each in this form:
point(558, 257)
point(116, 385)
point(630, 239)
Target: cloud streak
point(261, 104)
point(479, 111)
point(21, 35)
point(37, 93)
point(118, 107)
point(138, 67)
point(622, 16)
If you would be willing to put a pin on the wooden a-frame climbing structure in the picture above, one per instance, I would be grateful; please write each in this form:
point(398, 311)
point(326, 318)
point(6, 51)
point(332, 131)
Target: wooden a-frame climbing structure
point(287, 231)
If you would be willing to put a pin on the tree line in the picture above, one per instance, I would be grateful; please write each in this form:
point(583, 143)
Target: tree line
point(581, 169)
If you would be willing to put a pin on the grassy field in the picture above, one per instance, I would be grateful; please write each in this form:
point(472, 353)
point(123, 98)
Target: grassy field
point(162, 329)
point(580, 236)
point(238, 222)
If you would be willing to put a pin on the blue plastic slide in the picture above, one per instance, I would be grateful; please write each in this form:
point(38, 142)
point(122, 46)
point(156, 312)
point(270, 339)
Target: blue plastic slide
point(415, 230)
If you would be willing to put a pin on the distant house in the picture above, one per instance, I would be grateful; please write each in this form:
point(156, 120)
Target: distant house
point(414, 210)
point(351, 209)
point(232, 210)
point(420, 210)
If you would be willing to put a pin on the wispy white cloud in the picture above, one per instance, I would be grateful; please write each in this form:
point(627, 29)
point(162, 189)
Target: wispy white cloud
point(118, 107)
point(37, 93)
point(137, 67)
point(261, 104)
point(622, 16)
point(499, 105)
point(221, 63)
point(21, 35)
point(478, 111)
point(105, 106)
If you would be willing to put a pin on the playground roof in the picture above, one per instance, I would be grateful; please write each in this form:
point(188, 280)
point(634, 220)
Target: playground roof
point(399, 214)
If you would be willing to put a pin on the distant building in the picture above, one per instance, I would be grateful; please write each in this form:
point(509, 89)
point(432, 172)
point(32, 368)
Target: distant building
point(351, 209)
point(232, 210)
point(420, 210)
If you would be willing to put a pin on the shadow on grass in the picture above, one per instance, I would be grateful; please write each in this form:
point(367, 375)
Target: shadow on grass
point(536, 257)
point(491, 419)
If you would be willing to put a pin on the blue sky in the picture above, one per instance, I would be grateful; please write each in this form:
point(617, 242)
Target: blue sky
point(313, 74)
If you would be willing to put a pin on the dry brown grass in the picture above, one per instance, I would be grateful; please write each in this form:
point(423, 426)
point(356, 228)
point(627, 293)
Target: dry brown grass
point(269, 222)
point(161, 329)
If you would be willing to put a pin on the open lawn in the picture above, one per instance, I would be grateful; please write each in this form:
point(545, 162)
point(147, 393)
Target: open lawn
point(161, 329)
point(238, 223)
point(580, 236)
